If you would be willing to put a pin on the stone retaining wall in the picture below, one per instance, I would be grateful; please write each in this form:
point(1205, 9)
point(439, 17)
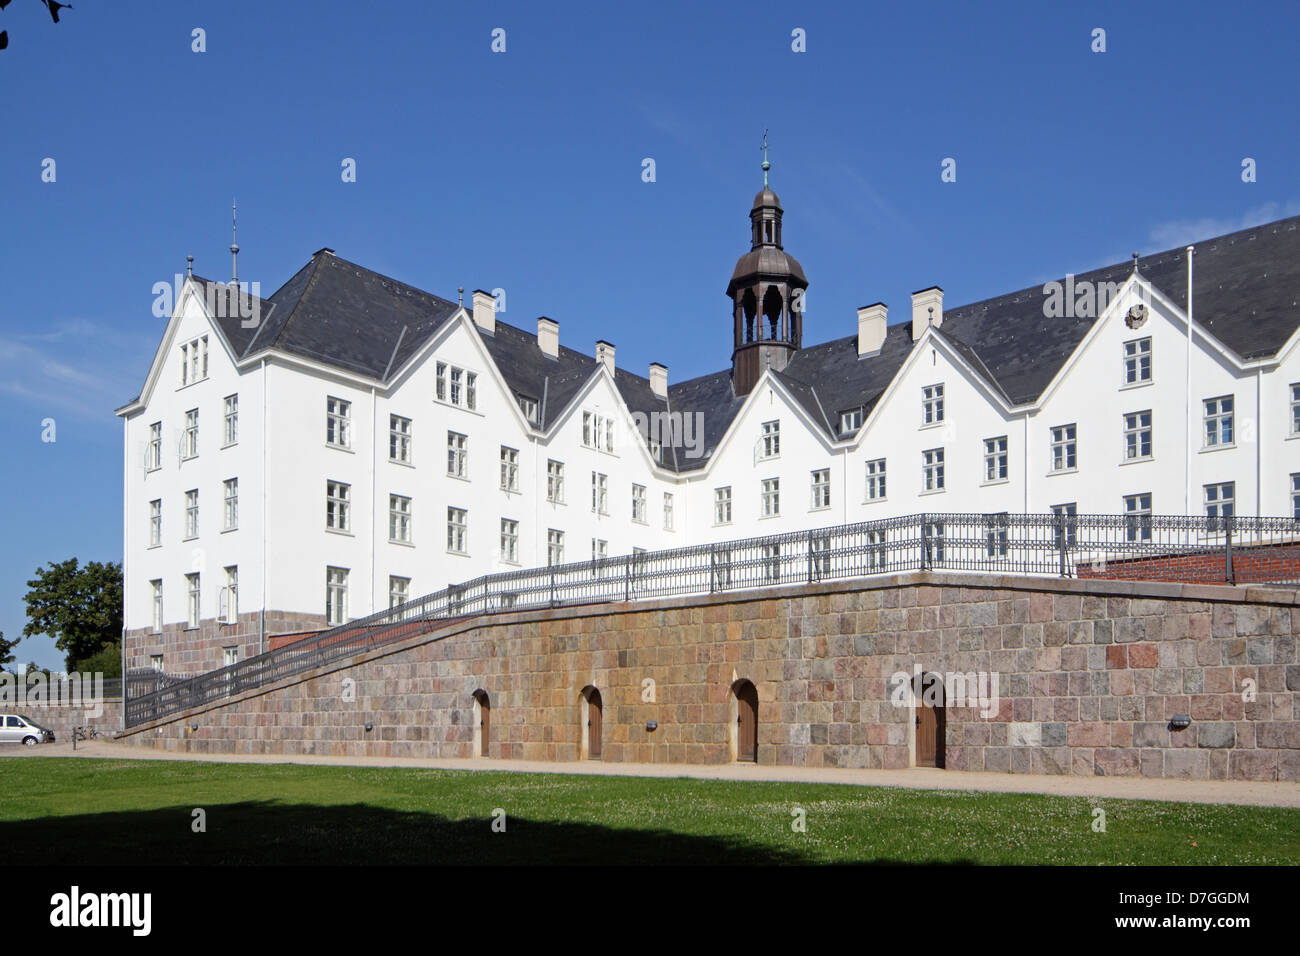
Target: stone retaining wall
point(1089, 675)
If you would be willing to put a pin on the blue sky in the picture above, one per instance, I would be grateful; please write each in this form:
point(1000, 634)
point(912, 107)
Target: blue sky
point(522, 170)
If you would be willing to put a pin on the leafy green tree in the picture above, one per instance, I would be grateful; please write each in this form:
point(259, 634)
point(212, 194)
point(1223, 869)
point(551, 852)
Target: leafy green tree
point(107, 661)
point(7, 652)
point(80, 607)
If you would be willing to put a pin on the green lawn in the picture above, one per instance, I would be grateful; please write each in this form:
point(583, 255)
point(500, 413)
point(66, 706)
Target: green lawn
point(67, 810)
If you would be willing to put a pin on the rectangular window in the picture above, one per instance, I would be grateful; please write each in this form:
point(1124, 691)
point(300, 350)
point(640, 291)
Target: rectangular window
point(153, 456)
point(1137, 361)
point(458, 530)
point(722, 505)
point(191, 514)
point(230, 596)
point(440, 388)
point(510, 540)
point(1137, 517)
point(772, 562)
point(599, 493)
point(850, 421)
point(156, 662)
point(338, 418)
point(638, 504)
point(471, 391)
point(599, 549)
point(457, 390)
point(194, 360)
point(192, 589)
point(1137, 435)
point(509, 469)
point(876, 480)
point(529, 407)
point(338, 506)
point(399, 439)
point(770, 440)
point(597, 431)
point(1220, 502)
point(1295, 409)
point(457, 454)
point(190, 438)
point(1066, 531)
point(668, 512)
point(555, 481)
point(720, 568)
point(1295, 497)
point(932, 404)
point(399, 519)
point(876, 553)
point(819, 556)
point(155, 523)
point(155, 606)
point(821, 489)
point(1218, 421)
point(995, 459)
point(932, 470)
point(230, 516)
point(230, 418)
point(995, 535)
point(932, 538)
point(1065, 455)
point(229, 656)
point(771, 495)
point(336, 596)
point(399, 590)
point(554, 547)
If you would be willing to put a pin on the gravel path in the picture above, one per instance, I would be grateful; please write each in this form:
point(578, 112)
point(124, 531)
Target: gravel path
point(1246, 792)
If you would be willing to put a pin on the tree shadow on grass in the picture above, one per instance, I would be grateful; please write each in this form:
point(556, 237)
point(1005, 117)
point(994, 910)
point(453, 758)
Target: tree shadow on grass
point(267, 832)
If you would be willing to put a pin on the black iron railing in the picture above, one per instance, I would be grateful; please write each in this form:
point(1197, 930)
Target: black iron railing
point(1132, 547)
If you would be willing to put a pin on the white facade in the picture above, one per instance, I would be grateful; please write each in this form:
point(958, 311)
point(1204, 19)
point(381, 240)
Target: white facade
point(287, 556)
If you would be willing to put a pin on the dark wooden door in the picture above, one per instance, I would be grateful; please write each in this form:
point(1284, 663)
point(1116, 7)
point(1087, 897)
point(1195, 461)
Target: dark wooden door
point(593, 724)
point(929, 723)
point(747, 722)
point(484, 724)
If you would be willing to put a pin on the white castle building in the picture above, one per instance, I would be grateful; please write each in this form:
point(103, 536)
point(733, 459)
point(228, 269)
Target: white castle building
point(352, 441)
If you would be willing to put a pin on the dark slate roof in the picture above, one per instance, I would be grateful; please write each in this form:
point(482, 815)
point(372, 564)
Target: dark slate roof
point(712, 397)
point(231, 313)
point(529, 372)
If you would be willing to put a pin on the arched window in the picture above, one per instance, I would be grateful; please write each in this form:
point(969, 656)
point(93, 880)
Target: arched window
point(591, 722)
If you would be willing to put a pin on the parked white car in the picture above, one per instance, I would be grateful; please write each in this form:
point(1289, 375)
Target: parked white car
point(17, 729)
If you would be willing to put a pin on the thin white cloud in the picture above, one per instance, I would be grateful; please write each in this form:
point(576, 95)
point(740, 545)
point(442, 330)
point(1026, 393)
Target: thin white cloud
point(1183, 232)
point(76, 367)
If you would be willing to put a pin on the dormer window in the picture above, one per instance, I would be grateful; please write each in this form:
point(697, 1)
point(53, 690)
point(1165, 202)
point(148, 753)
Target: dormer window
point(850, 421)
point(194, 360)
point(529, 407)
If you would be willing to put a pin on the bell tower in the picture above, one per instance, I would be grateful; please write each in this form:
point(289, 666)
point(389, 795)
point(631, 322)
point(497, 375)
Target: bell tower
point(766, 293)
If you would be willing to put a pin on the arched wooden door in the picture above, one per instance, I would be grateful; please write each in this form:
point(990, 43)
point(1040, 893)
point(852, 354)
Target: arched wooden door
point(593, 723)
point(930, 721)
point(484, 721)
point(746, 721)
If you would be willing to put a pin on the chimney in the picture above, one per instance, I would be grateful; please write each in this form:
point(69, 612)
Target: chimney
point(548, 337)
point(871, 328)
point(485, 311)
point(659, 379)
point(927, 309)
point(605, 354)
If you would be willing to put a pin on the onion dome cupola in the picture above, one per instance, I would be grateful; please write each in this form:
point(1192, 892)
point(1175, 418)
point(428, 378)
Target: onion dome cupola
point(766, 292)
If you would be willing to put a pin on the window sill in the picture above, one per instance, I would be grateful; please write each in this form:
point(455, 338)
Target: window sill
point(510, 491)
point(459, 408)
point(874, 501)
point(185, 458)
point(995, 481)
point(398, 461)
point(553, 501)
point(346, 448)
point(926, 426)
point(722, 524)
point(153, 547)
point(228, 530)
point(229, 444)
point(1138, 461)
point(457, 477)
point(819, 508)
point(1063, 471)
point(936, 491)
point(641, 521)
point(340, 531)
point(769, 517)
point(1213, 448)
point(1132, 385)
point(152, 468)
point(459, 554)
point(404, 544)
point(192, 537)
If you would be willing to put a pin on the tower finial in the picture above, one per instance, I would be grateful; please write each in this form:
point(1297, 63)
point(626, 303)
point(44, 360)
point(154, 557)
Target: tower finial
point(1135, 263)
point(766, 164)
point(234, 247)
point(189, 265)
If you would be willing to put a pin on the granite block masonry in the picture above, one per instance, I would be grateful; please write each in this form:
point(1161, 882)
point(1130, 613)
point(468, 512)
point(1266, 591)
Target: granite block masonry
point(1090, 674)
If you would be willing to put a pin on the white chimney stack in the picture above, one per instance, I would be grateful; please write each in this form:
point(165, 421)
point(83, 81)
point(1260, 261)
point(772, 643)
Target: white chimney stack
point(548, 337)
point(485, 311)
point(927, 309)
point(659, 379)
point(871, 328)
point(605, 354)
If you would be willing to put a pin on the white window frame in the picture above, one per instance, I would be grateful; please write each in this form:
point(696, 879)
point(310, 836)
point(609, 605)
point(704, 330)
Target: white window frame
point(230, 501)
point(336, 596)
point(1137, 507)
point(1065, 448)
point(555, 481)
point(399, 590)
point(554, 547)
point(191, 514)
point(399, 439)
point(1136, 370)
point(156, 605)
point(457, 455)
point(338, 422)
point(509, 468)
point(932, 471)
point(1219, 425)
point(155, 523)
point(230, 421)
point(194, 600)
point(876, 478)
point(232, 594)
point(668, 511)
point(457, 530)
point(820, 489)
point(722, 505)
point(510, 540)
point(770, 440)
point(639, 506)
point(399, 519)
point(1136, 431)
point(932, 405)
point(338, 506)
point(190, 436)
point(599, 493)
point(996, 468)
point(1220, 500)
point(153, 453)
point(770, 498)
